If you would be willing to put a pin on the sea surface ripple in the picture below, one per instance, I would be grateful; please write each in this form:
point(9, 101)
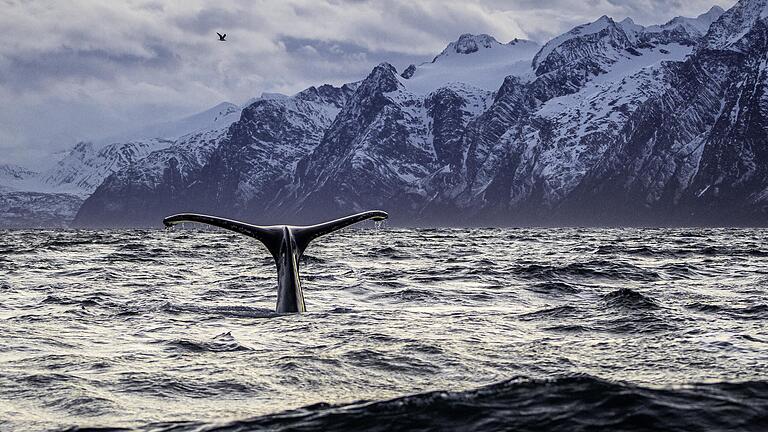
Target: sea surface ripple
point(431, 329)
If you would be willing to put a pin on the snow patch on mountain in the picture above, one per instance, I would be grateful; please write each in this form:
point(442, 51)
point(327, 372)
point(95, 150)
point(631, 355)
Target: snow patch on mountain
point(477, 60)
point(693, 26)
point(628, 66)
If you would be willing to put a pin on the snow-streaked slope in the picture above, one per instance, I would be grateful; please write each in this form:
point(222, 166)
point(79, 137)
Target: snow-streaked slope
point(581, 126)
point(626, 66)
point(476, 60)
point(734, 24)
point(87, 165)
point(604, 23)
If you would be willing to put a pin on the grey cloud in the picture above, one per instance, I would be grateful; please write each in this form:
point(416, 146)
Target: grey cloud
point(30, 71)
point(210, 20)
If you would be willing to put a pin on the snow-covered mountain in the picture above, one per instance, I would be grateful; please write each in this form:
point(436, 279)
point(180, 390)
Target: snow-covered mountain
point(76, 176)
point(232, 173)
point(610, 122)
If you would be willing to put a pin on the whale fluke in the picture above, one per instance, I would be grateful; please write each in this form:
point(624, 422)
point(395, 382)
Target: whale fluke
point(286, 243)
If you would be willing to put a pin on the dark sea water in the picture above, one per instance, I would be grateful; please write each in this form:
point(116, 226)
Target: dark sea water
point(481, 329)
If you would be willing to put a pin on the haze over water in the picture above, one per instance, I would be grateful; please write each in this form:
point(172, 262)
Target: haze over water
point(595, 328)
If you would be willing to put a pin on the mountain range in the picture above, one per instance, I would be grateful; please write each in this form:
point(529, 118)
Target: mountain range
point(610, 123)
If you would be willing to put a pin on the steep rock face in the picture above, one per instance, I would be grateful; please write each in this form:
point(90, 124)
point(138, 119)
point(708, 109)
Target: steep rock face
point(376, 146)
point(696, 153)
point(487, 152)
point(409, 71)
point(727, 32)
point(592, 47)
point(382, 147)
point(264, 147)
point(469, 43)
point(445, 108)
point(733, 171)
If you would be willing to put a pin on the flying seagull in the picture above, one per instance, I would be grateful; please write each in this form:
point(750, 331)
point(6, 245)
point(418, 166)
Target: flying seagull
point(222, 37)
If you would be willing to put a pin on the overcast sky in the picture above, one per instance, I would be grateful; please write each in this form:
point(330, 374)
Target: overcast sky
point(78, 69)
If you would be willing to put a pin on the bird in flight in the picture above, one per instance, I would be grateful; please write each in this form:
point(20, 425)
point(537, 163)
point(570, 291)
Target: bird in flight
point(222, 37)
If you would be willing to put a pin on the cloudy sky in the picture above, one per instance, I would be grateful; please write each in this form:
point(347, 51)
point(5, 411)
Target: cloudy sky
point(83, 69)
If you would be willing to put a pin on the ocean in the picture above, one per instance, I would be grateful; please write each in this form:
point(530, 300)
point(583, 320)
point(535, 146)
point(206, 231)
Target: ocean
point(426, 329)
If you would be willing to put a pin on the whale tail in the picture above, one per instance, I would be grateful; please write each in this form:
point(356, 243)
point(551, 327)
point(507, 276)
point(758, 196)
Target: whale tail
point(271, 235)
point(286, 243)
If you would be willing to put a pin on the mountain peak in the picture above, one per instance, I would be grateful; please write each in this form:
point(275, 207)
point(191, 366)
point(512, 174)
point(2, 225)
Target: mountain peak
point(384, 68)
point(382, 78)
point(468, 43)
point(602, 24)
point(714, 10)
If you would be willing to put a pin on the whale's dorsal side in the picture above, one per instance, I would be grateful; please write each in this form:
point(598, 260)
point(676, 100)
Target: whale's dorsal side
point(286, 243)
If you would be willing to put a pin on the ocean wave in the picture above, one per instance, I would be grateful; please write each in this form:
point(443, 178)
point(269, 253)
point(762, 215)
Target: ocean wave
point(753, 312)
point(388, 252)
point(224, 342)
point(567, 404)
point(629, 298)
point(554, 288)
point(590, 269)
point(553, 313)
